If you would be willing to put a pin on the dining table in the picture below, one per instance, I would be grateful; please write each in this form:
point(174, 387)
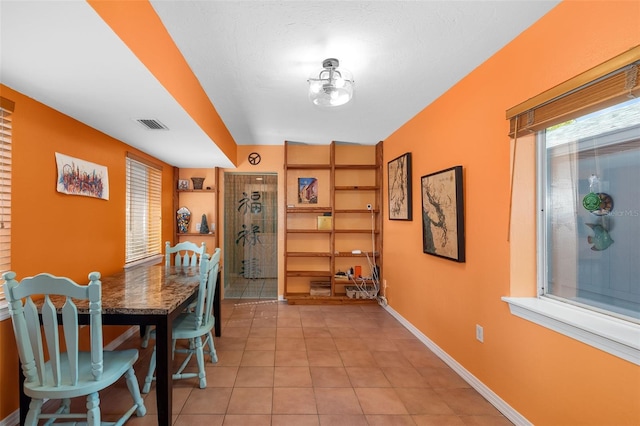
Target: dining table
point(146, 295)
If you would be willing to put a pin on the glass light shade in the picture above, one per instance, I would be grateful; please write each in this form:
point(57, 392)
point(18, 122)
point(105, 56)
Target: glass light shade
point(331, 86)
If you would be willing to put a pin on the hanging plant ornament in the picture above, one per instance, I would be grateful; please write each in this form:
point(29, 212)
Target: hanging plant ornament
point(591, 201)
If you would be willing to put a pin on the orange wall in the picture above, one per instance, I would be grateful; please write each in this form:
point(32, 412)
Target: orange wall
point(63, 234)
point(548, 378)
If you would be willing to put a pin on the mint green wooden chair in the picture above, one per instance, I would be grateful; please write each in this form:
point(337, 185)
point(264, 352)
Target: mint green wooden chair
point(68, 373)
point(181, 255)
point(194, 326)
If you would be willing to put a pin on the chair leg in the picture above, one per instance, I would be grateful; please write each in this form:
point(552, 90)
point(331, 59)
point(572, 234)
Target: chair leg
point(65, 406)
point(145, 338)
point(93, 409)
point(202, 375)
point(132, 384)
point(212, 349)
point(35, 409)
point(152, 369)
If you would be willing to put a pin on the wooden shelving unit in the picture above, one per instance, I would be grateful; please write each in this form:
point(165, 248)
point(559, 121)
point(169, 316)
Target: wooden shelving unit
point(198, 201)
point(348, 189)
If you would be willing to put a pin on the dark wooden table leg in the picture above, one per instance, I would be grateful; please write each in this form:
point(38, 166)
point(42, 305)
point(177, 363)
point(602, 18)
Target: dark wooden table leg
point(216, 306)
point(164, 378)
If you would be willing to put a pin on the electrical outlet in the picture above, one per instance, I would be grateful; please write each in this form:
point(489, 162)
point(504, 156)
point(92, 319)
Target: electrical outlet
point(479, 333)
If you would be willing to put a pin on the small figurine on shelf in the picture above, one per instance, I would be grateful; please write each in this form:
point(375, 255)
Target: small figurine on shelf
point(204, 227)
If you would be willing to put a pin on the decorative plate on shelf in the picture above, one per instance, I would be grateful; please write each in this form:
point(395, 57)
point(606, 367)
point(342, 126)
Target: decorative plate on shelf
point(183, 216)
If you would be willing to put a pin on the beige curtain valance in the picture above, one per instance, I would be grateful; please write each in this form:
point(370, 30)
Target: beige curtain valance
point(607, 84)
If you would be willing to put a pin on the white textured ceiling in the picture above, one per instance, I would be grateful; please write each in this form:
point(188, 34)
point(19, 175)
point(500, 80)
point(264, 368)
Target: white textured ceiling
point(253, 59)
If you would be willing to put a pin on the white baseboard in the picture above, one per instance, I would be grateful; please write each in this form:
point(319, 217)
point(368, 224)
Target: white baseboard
point(12, 419)
point(508, 411)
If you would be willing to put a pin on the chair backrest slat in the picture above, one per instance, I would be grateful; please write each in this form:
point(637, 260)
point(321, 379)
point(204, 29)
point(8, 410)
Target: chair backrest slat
point(70, 327)
point(26, 324)
point(184, 254)
point(35, 349)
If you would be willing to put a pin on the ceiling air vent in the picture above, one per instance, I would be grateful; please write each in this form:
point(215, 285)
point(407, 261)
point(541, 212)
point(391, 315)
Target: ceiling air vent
point(151, 124)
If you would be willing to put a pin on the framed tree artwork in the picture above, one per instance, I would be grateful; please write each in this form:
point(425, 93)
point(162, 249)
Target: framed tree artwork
point(443, 214)
point(399, 183)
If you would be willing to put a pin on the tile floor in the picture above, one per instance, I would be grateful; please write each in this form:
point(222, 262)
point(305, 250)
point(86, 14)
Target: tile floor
point(283, 364)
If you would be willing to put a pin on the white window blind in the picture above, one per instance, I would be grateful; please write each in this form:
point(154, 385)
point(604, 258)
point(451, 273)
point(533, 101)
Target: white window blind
point(6, 110)
point(144, 213)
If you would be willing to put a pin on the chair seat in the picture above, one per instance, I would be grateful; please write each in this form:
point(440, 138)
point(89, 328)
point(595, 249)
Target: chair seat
point(116, 363)
point(184, 327)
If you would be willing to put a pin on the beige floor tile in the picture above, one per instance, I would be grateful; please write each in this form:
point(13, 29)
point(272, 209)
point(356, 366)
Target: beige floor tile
point(329, 377)
point(290, 332)
point(291, 358)
point(263, 332)
point(380, 401)
point(220, 376)
point(358, 359)
point(206, 401)
point(338, 332)
point(349, 344)
point(337, 401)
point(292, 377)
point(324, 359)
point(467, 401)
point(251, 401)
point(320, 343)
point(247, 419)
point(290, 344)
point(301, 365)
point(405, 377)
point(289, 322)
point(258, 359)
point(254, 377)
point(295, 420)
point(261, 344)
point(294, 401)
point(319, 331)
point(390, 359)
point(389, 420)
point(485, 420)
point(198, 420)
point(443, 378)
point(423, 401)
point(367, 377)
point(437, 420)
point(342, 420)
point(228, 358)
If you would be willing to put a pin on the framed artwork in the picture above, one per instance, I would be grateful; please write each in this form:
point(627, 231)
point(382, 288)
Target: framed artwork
point(443, 214)
point(183, 185)
point(80, 177)
point(308, 190)
point(399, 183)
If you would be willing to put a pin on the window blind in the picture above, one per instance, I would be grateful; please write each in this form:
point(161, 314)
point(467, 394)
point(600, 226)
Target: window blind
point(6, 110)
point(607, 84)
point(144, 209)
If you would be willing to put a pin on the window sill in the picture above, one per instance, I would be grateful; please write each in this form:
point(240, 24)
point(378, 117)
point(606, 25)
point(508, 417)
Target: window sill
point(146, 261)
point(614, 336)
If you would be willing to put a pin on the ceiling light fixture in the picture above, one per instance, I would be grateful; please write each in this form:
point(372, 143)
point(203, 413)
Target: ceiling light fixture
point(332, 86)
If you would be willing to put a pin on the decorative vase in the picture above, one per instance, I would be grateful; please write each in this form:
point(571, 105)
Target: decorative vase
point(204, 227)
point(197, 182)
point(183, 217)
